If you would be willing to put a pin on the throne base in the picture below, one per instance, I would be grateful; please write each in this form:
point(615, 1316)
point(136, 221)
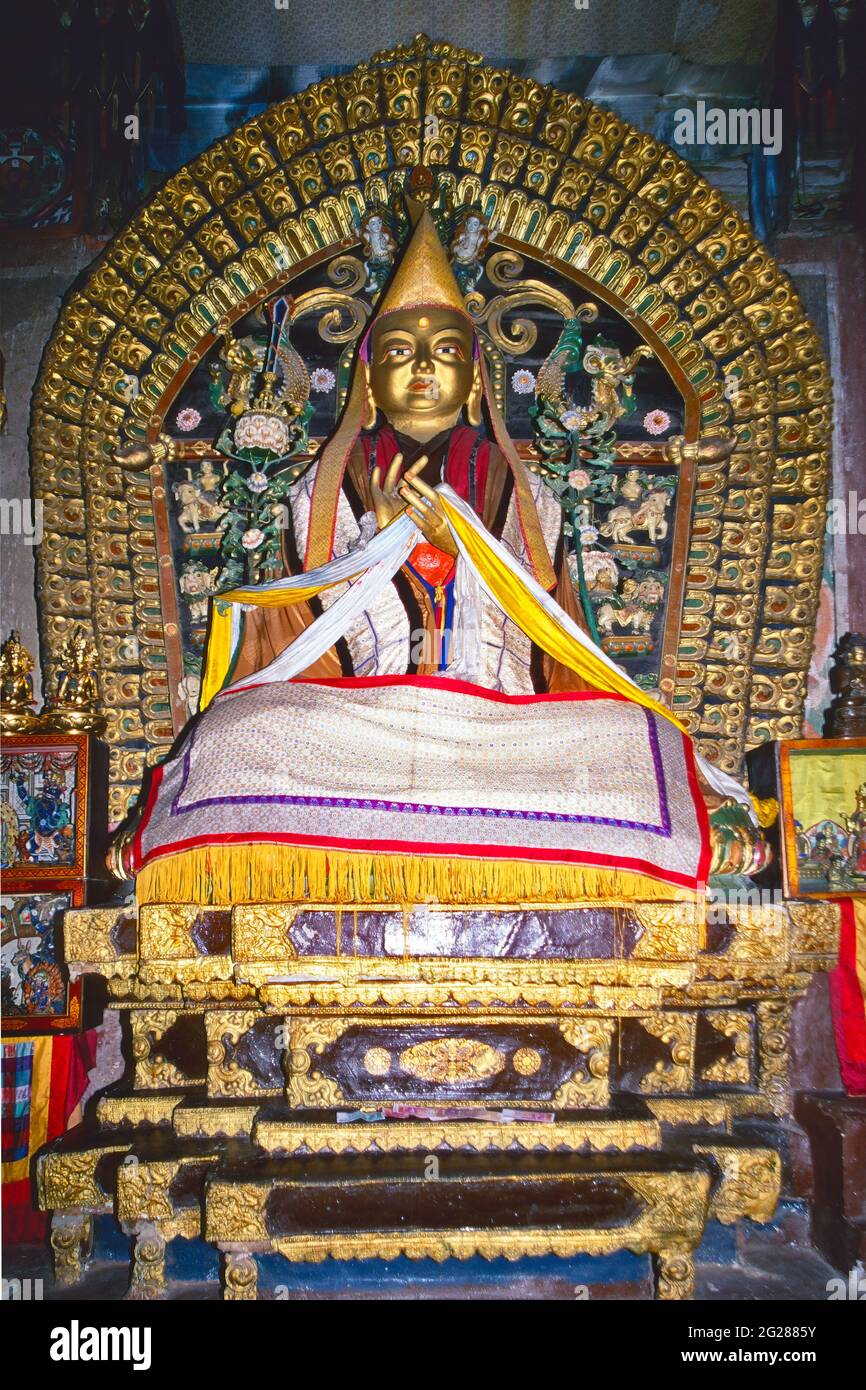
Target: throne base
point(364, 1107)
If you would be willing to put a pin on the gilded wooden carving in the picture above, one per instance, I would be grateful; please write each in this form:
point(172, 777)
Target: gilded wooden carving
point(560, 182)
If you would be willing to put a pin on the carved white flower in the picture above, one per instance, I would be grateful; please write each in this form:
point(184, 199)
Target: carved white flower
point(252, 539)
point(656, 421)
point(187, 419)
point(322, 380)
point(523, 382)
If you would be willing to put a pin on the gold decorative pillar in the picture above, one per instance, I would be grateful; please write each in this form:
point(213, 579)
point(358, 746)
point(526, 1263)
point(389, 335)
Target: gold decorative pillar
point(147, 1279)
point(240, 1276)
point(71, 1243)
point(675, 1273)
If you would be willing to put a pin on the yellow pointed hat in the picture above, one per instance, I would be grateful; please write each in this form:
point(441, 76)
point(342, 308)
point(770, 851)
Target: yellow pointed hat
point(423, 278)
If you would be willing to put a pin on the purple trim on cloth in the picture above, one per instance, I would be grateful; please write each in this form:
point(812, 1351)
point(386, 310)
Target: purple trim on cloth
point(358, 803)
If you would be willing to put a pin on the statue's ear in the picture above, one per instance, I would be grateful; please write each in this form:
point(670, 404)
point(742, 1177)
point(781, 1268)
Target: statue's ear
point(473, 404)
point(370, 410)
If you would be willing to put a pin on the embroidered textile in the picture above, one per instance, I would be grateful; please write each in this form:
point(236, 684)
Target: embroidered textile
point(430, 766)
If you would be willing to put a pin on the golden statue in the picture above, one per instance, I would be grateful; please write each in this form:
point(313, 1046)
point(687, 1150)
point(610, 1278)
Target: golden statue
point(16, 686)
point(414, 420)
point(855, 824)
point(417, 712)
point(74, 704)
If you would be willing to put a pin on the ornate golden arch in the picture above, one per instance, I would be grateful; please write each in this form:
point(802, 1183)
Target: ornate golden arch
point(568, 183)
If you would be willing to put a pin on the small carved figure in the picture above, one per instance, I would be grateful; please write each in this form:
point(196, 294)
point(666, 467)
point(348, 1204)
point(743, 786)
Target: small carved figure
point(632, 488)
point(139, 456)
point(470, 240)
point(196, 506)
point(379, 250)
point(855, 824)
point(649, 517)
point(197, 583)
point(189, 690)
point(16, 682)
point(600, 572)
point(612, 379)
point(74, 703)
point(209, 481)
point(634, 609)
point(630, 614)
point(826, 851)
point(76, 685)
point(16, 686)
point(468, 246)
point(242, 359)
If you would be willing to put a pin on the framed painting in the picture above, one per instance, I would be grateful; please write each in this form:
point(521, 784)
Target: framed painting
point(53, 816)
point(822, 785)
point(37, 996)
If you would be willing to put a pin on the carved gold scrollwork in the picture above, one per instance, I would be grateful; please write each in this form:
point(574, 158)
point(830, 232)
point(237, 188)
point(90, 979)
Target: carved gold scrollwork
point(71, 1241)
point(449, 1061)
point(147, 1280)
point(751, 1180)
point(260, 932)
point(503, 268)
point(235, 1213)
point(676, 1031)
point(736, 1069)
point(225, 1075)
point(240, 1276)
point(592, 1037)
point(68, 1180)
point(307, 1088)
point(344, 315)
point(816, 927)
point(152, 1071)
point(675, 1273)
point(774, 1025)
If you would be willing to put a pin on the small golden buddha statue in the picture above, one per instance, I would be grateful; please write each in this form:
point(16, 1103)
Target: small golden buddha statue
point(73, 706)
point(855, 824)
point(16, 686)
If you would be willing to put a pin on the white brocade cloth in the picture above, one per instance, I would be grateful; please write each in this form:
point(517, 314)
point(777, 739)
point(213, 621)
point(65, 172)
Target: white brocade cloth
point(435, 766)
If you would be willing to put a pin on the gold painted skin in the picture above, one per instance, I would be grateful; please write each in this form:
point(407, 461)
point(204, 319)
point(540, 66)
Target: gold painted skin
point(421, 374)
point(421, 371)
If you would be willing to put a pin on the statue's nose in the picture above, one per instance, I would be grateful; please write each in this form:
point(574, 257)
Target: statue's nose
point(423, 359)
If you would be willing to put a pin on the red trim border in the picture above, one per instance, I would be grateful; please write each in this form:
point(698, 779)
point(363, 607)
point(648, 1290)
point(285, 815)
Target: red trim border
point(436, 849)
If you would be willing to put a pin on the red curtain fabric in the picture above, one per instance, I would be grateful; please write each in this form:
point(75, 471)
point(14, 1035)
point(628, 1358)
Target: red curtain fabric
point(72, 1057)
point(848, 997)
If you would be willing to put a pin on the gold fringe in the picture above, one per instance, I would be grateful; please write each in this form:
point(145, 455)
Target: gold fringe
point(225, 875)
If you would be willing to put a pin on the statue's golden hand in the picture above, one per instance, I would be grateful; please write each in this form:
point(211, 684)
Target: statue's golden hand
point(387, 502)
point(426, 511)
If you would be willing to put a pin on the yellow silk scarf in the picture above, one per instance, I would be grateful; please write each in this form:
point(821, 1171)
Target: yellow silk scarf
point(521, 606)
point(508, 588)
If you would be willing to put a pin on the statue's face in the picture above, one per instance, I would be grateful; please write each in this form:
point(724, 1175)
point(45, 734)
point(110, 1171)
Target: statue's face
point(421, 369)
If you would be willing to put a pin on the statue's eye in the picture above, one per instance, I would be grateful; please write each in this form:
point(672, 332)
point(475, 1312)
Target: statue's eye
point(399, 350)
point(449, 350)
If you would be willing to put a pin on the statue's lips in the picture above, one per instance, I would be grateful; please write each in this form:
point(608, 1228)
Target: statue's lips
point(422, 387)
